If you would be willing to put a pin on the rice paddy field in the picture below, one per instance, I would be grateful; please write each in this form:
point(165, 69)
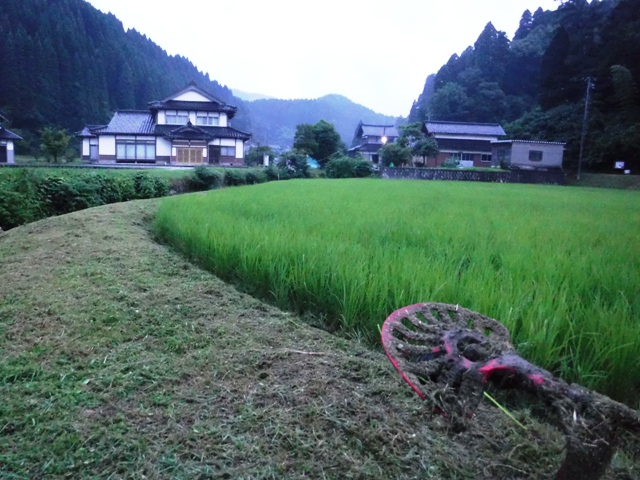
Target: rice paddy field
point(559, 266)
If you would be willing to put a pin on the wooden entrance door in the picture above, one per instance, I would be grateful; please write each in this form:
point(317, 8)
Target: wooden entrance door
point(214, 154)
point(189, 156)
point(3, 154)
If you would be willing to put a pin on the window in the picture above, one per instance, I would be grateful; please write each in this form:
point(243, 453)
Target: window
point(485, 157)
point(228, 151)
point(207, 119)
point(468, 157)
point(135, 149)
point(535, 155)
point(174, 117)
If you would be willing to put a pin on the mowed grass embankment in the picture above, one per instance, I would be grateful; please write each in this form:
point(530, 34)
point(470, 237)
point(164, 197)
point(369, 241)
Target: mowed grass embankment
point(560, 267)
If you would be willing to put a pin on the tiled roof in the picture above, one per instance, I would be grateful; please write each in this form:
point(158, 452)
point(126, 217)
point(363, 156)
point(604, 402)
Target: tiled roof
point(528, 141)
point(379, 131)
point(90, 131)
point(367, 147)
point(489, 129)
point(461, 145)
point(191, 131)
point(130, 122)
point(194, 106)
point(8, 135)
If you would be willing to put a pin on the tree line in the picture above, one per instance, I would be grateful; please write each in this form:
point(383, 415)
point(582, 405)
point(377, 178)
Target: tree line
point(535, 84)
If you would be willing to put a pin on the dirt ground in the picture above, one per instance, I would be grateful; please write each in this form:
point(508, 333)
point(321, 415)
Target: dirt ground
point(119, 359)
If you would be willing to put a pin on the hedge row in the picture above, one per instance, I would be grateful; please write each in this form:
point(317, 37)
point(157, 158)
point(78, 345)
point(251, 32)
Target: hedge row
point(27, 195)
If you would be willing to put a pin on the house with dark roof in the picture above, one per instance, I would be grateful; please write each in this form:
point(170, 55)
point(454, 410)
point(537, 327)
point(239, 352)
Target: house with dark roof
point(469, 143)
point(527, 155)
point(369, 139)
point(7, 137)
point(191, 127)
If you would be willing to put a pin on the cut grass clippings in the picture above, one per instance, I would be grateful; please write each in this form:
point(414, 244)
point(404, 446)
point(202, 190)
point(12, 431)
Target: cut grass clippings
point(560, 267)
point(119, 359)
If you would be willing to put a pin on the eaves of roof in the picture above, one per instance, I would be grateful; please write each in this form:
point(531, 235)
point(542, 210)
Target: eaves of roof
point(488, 129)
point(171, 131)
point(8, 135)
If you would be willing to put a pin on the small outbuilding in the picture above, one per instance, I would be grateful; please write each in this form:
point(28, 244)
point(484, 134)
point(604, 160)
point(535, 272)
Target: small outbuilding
point(527, 155)
point(7, 137)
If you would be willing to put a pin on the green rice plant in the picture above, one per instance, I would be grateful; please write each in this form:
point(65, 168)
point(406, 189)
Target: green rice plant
point(560, 267)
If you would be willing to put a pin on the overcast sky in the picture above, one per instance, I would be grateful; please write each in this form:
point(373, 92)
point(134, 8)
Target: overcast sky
point(376, 53)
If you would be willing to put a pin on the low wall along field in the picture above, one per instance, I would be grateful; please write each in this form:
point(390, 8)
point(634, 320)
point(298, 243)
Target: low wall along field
point(560, 267)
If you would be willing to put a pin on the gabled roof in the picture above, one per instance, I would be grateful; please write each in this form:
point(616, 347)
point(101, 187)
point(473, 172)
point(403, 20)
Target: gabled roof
point(193, 87)
point(193, 132)
point(138, 122)
point(379, 131)
point(8, 135)
point(461, 128)
point(213, 105)
point(90, 131)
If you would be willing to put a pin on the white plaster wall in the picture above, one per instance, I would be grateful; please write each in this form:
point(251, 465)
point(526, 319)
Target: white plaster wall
point(551, 154)
point(107, 145)
point(163, 147)
point(10, 154)
point(191, 97)
point(223, 120)
point(85, 147)
point(239, 149)
point(161, 117)
point(227, 142)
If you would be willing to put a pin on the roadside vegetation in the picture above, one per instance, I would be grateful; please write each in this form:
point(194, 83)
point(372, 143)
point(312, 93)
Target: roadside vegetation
point(559, 267)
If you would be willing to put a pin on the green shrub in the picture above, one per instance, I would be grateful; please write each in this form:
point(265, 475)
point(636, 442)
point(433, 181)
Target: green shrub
point(255, 176)
point(61, 195)
point(450, 162)
point(113, 189)
point(204, 178)
point(274, 173)
point(147, 186)
point(345, 167)
point(16, 208)
point(235, 177)
point(295, 163)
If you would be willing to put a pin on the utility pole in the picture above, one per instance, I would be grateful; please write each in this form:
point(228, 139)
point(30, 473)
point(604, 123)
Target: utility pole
point(584, 125)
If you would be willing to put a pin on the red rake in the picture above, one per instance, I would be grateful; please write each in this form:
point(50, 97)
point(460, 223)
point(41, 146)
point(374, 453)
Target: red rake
point(448, 354)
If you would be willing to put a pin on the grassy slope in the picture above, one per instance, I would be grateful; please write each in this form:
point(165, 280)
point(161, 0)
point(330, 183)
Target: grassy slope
point(119, 359)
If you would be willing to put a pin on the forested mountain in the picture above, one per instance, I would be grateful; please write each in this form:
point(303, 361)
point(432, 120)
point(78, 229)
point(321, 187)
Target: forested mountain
point(535, 84)
point(65, 63)
point(274, 121)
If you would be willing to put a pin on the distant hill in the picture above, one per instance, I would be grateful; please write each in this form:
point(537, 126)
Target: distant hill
point(248, 96)
point(274, 121)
